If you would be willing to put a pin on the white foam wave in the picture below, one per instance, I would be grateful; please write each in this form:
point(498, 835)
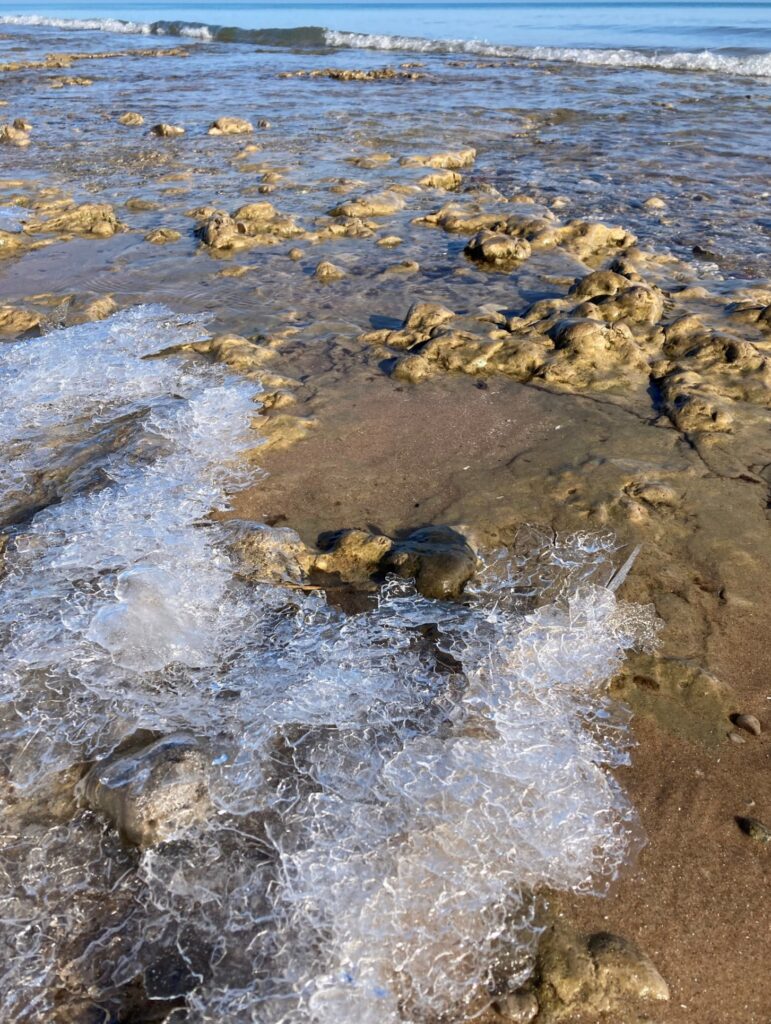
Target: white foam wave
point(91, 24)
point(389, 789)
point(705, 60)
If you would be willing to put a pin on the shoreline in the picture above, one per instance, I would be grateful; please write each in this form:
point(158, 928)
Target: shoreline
point(433, 346)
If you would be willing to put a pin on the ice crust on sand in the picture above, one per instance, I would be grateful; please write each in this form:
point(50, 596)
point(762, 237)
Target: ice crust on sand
point(390, 791)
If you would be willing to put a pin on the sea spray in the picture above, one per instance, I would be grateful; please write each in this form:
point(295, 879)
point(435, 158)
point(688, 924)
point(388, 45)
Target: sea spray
point(389, 791)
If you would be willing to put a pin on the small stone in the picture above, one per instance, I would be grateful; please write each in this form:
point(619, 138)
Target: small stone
point(755, 829)
point(737, 738)
point(295, 254)
point(749, 723)
point(263, 123)
point(655, 203)
point(518, 1007)
point(388, 241)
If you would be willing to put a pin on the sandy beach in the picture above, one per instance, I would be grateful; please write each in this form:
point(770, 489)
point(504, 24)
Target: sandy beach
point(385, 567)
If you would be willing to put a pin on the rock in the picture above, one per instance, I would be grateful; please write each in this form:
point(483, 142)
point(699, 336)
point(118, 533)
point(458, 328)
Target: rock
point(747, 722)
point(388, 241)
point(13, 136)
point(451, 161)
point(263, 123)
point(404, 267)
point(438, 558)
point(161, 236)
point(269, 554)
point(375, 204)
point(252, 224)
point(153, 792)
point(412, 368)
point(239, 354)
point(355, 74)
point(594, 974)
point(15, 322)
point(517, 1007)
point(231, 126)
point(131, 119)
point(295, 254)
point(494, 248)
point(220, 231)
point(96, 219)
point(140, 205)
point(354, 555)
point(327, 271)
point(737, 738)
point(655, 203)
point(446, 180)
point(423, 317)
point(88, 308)
point(755, 829)
point(167, 131)
point(62, 80)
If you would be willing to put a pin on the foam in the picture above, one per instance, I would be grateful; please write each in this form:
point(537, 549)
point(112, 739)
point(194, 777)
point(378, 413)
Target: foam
point(752, 64)
point(390, 791)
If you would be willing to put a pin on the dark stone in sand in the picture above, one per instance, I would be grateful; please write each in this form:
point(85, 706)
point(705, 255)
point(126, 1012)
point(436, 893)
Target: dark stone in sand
point(438, 558)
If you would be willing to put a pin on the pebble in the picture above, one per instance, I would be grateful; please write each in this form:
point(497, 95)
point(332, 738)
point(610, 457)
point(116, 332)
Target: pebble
point(755, 829)
point(749, 723)
point(736, 737)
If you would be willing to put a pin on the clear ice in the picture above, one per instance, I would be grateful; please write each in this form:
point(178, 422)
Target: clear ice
point(389, 792)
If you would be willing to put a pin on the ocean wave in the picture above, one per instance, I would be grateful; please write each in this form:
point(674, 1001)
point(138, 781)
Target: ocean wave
point(750, 62)
point(755, 64)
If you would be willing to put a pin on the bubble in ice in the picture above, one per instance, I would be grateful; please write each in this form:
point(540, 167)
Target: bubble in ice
point(390, 792)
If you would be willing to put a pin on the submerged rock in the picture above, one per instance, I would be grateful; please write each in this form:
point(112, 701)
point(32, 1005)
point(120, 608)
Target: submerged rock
point(327, 271)
point(167, 131)
point(131, 119)
point(162, 236)
point(375, 204)
point(153, 792)
point(13, 135)
point(231, 126)
point(450, 160)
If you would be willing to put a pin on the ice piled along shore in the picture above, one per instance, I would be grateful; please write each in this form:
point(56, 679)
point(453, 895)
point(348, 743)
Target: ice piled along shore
point(388, 792)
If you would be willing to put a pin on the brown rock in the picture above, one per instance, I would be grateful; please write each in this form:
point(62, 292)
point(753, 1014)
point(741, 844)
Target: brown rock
point(231, 126)
point(131, 119)
point(167, 131)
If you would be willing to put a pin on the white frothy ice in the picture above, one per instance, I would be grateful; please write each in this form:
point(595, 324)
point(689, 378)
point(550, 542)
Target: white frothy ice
point(389, 791)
